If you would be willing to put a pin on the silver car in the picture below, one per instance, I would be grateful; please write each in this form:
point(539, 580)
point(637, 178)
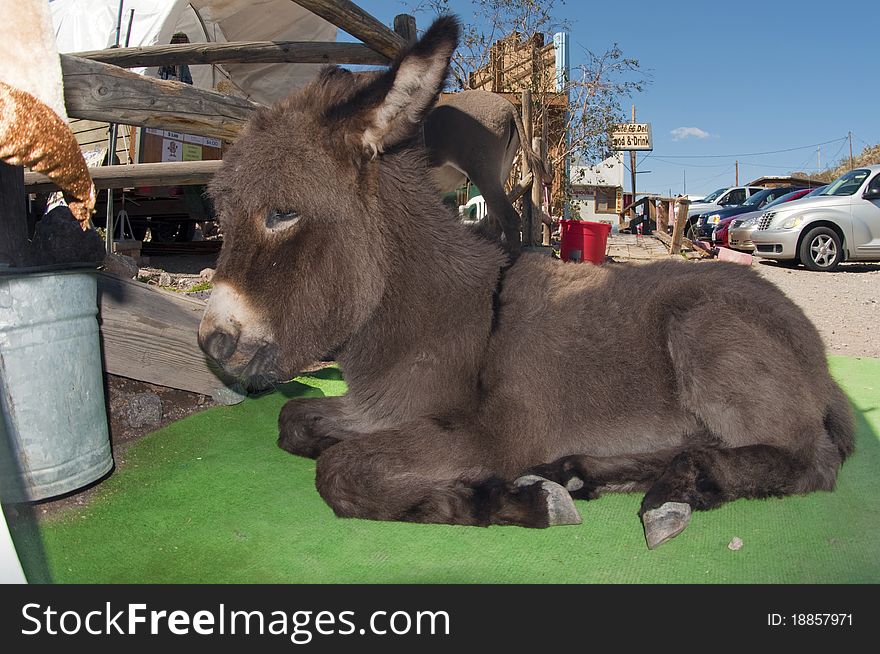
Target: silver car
point(842, 223)
point(739, 234)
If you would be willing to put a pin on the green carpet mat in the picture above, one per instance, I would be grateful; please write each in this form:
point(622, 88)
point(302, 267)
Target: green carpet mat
point(212, 499)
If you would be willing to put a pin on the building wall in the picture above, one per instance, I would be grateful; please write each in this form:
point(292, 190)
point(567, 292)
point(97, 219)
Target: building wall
point(598, 190)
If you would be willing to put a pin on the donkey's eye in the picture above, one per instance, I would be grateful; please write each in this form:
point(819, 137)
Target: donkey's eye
point(281, 218)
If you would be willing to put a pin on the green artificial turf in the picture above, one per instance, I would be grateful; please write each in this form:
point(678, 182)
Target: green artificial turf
point(212, 499)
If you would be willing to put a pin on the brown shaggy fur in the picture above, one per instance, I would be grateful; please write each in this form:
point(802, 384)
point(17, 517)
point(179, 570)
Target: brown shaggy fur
point(453, 395)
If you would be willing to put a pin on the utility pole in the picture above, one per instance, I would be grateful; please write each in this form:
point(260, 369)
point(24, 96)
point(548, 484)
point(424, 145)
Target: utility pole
point(851, 163)
point(818, 157)
point(736, 183)
point(632, 165)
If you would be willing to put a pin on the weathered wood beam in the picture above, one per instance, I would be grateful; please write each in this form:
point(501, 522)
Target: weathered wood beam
point(243, 52)
point(173, 173)
point(679, 225)
point(405, 26)
point(354, 20)
point(98, 91)
point(150, 334)
point(520, 189)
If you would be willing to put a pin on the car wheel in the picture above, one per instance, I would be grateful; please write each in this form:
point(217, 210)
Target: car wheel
point(821, 249)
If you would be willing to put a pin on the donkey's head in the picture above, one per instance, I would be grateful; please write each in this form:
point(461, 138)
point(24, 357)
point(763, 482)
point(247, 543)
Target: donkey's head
point(306, 255)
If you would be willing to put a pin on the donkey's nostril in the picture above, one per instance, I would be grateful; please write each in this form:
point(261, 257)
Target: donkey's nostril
point(219, 345)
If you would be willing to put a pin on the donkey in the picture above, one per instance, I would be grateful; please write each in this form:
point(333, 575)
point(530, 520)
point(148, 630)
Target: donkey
point(476, 135)
point(483, 390)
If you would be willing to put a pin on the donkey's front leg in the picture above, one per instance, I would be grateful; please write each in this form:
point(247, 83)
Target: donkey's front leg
point(309, 425)
point(422, 473)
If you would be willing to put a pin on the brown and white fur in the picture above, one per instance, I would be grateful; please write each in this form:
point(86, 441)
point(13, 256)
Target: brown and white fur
point(483, 390)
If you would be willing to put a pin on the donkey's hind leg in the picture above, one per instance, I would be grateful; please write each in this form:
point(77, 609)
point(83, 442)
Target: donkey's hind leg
point(706, 478)
point(425, 474)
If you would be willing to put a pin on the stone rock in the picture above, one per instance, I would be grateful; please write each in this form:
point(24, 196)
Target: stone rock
point(143, 410)
point(735, 544)
point(122, 265)
point(164, 279)
point(186, 283)
point(207, 275)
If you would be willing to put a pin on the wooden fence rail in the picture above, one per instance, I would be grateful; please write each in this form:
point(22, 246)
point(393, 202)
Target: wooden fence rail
point(239, 52)
point(98, 91)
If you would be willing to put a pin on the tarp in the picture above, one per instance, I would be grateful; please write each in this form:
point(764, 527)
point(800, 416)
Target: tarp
point(91, 25)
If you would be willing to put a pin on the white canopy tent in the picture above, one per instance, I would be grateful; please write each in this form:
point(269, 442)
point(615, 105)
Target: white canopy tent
point(91, 25)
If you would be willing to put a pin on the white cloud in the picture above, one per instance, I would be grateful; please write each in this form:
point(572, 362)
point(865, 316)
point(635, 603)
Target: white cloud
point(680, 133)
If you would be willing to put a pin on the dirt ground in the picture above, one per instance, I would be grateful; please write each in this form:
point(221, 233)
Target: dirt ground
point(844, 305)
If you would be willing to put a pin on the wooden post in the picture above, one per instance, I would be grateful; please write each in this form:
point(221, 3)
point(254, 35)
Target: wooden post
point(528, 210)
point(632, 168)
point(545, 228)
point(14, 243)
point(680, 222)
point(663, 216)
point(536, 236)
point(405, 27)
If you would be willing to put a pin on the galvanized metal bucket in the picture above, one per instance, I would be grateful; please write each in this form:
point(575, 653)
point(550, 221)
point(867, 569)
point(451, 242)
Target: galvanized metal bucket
point(51, 386)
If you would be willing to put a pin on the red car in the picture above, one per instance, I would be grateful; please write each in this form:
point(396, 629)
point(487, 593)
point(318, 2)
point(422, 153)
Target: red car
point(719, 234)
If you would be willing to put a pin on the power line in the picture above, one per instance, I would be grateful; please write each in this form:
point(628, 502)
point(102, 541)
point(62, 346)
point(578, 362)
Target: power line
point(750, 154)
point(689, 165)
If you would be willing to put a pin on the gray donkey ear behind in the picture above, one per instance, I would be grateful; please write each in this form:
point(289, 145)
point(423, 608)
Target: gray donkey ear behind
point(413, 84)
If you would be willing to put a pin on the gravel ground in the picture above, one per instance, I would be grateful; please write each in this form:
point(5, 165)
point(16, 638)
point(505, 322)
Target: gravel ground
point(844, 305)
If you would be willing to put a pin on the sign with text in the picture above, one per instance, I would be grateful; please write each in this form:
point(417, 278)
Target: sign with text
point(631, 136)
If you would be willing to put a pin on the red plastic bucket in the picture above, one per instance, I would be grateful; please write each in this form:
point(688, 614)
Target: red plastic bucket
point(583, 241)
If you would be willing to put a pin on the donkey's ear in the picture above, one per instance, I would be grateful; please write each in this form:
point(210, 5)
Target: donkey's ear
point(413, 84)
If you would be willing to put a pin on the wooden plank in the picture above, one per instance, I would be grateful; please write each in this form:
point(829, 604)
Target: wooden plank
point(520, 189)
point(354, 20)
point(666, 239)
point(151, 335)
point(238, 52)
point(98, 91)
point(172, 173)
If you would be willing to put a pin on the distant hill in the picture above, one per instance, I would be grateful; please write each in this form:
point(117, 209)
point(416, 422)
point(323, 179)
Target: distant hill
point(868, 157)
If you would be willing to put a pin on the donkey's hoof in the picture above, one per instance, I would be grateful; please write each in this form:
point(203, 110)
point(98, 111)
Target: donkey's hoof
point(665, 522)
point(560, 507)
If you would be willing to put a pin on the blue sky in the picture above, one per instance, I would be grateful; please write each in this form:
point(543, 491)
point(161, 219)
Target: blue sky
point(751, 77)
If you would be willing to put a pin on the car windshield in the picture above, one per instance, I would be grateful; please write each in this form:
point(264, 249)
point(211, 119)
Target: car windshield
point(847, 184)
point(783, 198)
point(816, 191)
point(756, 199)
point(713, 196)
